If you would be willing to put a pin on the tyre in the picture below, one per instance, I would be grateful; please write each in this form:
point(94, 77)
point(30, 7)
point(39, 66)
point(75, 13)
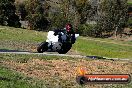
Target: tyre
point(42, 47)
point(65, 48)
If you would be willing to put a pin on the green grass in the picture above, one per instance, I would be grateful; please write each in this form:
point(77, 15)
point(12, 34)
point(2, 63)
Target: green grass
point(17, 80)
point(111, 41)
point(129, 2)
point(92, 47)
point(21, 58)
point(12, 79)
point(18, 34)
point(19, 39)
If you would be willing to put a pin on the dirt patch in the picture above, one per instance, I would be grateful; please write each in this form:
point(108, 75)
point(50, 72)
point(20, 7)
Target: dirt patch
point(125, 36)
point(19, 46)
point(67, 69)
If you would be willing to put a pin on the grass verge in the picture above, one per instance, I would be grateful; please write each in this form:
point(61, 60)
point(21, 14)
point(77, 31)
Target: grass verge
point(58, 72)
point(9, 79)
point(105, 49)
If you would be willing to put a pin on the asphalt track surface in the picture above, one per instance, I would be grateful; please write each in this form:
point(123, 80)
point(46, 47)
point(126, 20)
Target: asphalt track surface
point(61, 55)
point(46, 53)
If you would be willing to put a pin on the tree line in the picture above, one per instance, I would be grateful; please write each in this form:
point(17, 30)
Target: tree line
point(95, 18)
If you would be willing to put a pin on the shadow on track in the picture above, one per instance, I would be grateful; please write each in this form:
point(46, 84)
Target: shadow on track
point(95, 57)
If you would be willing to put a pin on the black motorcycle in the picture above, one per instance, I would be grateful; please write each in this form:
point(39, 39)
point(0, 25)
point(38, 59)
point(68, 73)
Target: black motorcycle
point(60, 42)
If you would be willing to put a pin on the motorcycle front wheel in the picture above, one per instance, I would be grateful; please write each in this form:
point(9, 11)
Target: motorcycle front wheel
point(65, 48)
point(42, 47)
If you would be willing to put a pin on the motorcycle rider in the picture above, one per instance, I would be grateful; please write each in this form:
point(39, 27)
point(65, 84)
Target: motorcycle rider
point(67, 30)
point(70, 32)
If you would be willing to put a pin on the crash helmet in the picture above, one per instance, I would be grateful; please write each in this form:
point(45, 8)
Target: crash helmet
point(68, 27)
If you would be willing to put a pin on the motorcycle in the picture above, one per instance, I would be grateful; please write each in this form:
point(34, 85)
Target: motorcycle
point(60, 42)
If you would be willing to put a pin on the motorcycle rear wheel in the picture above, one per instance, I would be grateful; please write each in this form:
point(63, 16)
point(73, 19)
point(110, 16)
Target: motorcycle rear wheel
point(42, 47)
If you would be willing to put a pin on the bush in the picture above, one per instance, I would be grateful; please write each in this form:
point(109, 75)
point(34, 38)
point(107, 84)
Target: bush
point(7, 13)
point(41, 23)
point(38, 22)
point(36, 15)
point(58, 20)
point(13, 21)
point(86, 29)
point(129, 22)
point(113, 17)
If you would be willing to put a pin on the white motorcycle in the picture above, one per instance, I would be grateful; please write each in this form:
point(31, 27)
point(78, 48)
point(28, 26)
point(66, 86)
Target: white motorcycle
point(60, 43)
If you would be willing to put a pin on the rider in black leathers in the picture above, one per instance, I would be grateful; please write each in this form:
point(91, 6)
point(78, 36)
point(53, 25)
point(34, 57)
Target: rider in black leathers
point(69, 31)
